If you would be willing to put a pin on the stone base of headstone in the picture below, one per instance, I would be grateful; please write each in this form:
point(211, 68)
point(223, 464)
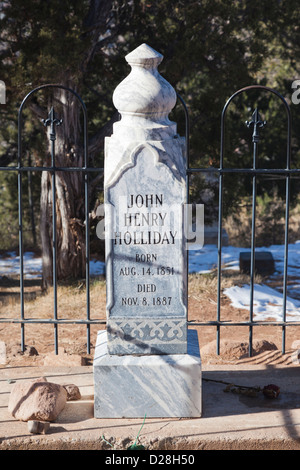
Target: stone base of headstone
point(157, 386)
point(264, 262)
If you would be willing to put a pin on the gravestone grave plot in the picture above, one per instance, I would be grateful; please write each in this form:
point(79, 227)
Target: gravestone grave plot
point(146, 362)
point(264, 262)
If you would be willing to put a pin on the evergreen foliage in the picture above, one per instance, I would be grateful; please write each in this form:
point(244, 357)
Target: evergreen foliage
point(211, 49)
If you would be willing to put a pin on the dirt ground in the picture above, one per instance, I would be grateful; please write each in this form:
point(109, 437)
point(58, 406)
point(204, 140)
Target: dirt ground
point(72, 339)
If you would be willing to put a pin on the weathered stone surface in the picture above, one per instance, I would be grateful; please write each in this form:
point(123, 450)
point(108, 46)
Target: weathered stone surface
point(158, 385)
point(72, 391)
point(37, 400)
point(38, 427)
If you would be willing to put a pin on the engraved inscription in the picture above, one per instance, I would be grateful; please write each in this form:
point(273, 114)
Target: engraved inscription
point(146, 259)
point(146, 275)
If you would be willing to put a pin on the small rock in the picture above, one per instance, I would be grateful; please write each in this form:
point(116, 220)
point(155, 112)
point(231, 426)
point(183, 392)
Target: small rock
point(38, 427)
point(36, 400)
point(31, 351)
point(72, 391)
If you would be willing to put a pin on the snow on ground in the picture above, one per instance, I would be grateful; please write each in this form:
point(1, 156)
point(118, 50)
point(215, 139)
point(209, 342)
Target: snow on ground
point(267, 301)
point(202, 261)
point(10, 265)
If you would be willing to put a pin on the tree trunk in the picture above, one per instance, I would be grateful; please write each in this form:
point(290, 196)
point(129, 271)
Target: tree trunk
point(70, 216)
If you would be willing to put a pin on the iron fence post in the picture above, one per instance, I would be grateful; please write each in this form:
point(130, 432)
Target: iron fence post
point(52, 121)
point(256, 123)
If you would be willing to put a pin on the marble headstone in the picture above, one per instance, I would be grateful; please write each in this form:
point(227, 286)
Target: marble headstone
point(145, 192)
point(146, 339)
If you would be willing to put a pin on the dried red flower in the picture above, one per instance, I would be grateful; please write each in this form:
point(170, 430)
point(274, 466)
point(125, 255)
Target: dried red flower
point(271, 391)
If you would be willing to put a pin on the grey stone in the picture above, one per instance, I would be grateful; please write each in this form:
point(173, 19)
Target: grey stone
point(38, 427)
point(154, 385)
point(264, 262)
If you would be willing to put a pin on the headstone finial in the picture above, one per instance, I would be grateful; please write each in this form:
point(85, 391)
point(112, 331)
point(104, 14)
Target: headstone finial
point(144, 56)
point(145, 94)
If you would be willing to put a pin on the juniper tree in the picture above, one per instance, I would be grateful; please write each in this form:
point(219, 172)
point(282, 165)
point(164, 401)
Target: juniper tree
point(210, 48)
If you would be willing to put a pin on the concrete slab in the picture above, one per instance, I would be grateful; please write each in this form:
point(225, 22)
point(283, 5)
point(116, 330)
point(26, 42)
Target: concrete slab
point(229, 421)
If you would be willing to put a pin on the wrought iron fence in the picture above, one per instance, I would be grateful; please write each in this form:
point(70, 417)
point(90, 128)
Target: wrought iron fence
point(256, 123)
point(52, 121)
point(287, 172)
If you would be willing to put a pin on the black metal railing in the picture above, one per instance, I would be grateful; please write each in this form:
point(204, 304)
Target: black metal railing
point(52, 121)
point(256, 123)
point(287, 172)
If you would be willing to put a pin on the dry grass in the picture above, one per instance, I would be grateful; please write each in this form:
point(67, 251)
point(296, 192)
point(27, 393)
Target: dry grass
point(71, 299)
point(72, 305)
point(206, 285)
point(71, 302)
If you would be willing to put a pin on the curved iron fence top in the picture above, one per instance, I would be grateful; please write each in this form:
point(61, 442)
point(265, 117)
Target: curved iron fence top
point(263, 88)
point(20, 122)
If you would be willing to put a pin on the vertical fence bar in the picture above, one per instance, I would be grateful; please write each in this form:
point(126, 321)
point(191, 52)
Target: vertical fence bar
point(52, 121)
point(220, 219)
point(187, 177)
point(87, 258)
point(286, 234)
point(252, 261)
point(283, 340)
point(20, 209)
point(256, 123)
point(87, 228)
point(54, 242)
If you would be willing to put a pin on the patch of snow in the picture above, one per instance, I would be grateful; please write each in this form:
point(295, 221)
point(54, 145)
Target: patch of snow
point(10, 265)
point(267, 302)
point(97, 268)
